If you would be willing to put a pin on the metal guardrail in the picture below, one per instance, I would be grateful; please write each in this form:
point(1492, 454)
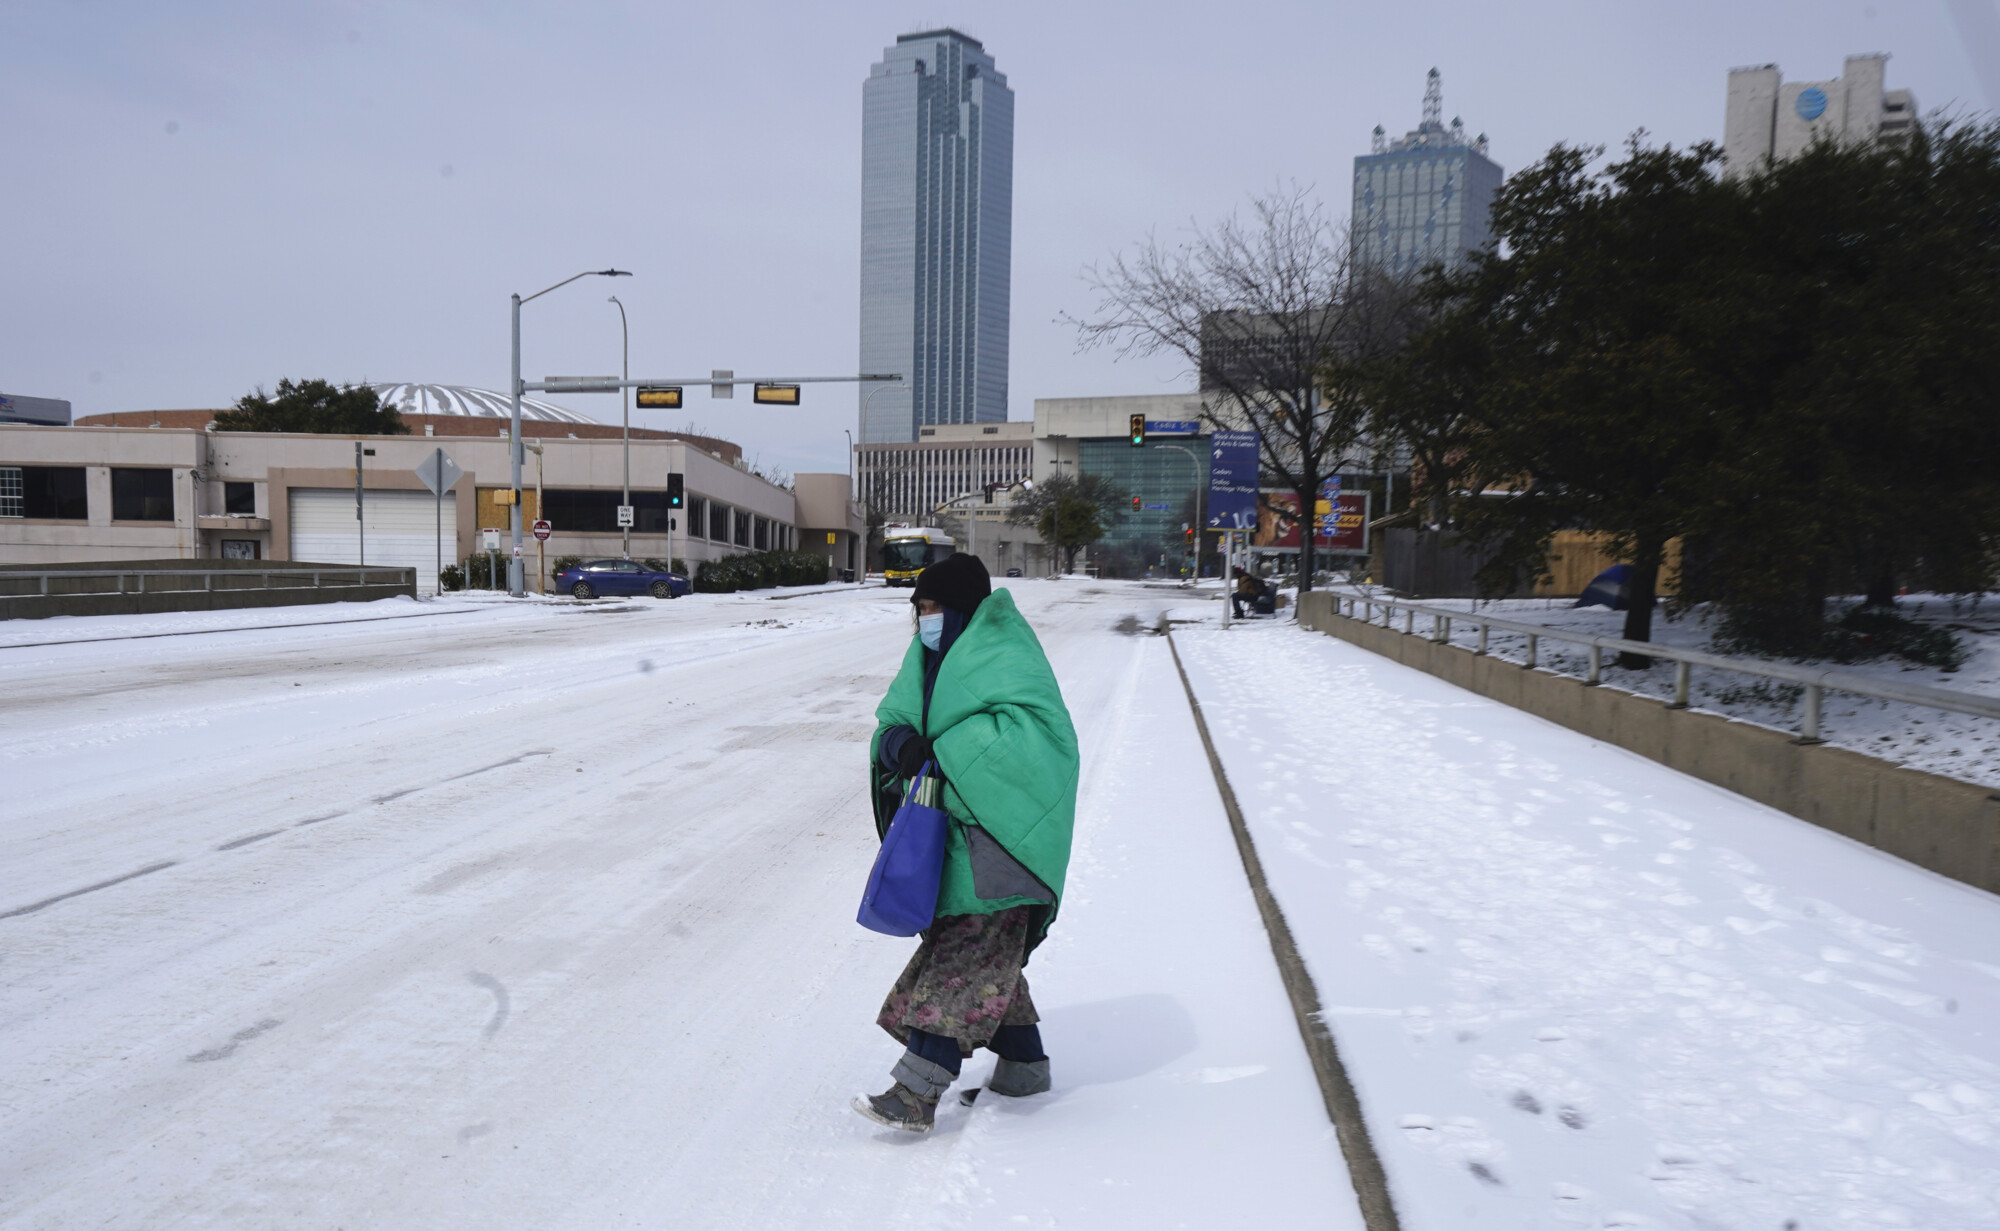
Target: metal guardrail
point(1815, 683)
point(319, 579)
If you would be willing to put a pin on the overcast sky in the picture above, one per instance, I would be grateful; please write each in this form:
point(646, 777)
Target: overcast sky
point(202, 198)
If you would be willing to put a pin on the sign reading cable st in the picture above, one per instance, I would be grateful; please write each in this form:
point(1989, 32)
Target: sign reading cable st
point(1232, 481)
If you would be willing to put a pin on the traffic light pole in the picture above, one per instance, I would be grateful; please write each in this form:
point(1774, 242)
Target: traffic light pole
point(581, 384)
point(720, 385)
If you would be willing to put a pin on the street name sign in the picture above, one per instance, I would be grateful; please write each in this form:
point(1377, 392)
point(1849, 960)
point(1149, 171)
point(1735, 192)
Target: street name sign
point(659, 397)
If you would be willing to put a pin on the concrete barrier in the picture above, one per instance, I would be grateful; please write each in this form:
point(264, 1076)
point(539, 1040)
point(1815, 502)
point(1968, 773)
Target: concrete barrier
point(1950, 827)
point(207, 585)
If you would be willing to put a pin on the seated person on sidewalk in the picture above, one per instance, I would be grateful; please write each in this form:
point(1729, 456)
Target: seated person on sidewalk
point(1254, 591)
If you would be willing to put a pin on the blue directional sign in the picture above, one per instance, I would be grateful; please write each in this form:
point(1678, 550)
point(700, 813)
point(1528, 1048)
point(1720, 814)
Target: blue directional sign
point(1329, 521)
point(1232, 481)
point(1173, 427)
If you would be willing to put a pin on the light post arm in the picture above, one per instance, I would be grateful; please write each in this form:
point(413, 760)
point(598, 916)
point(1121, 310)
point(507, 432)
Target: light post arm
point(516, 586)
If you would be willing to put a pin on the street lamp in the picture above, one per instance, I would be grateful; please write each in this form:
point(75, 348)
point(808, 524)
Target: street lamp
point(515, 454)
point(1055, 548)
point(871, 397)
point(1199, 528)
point(625, 410)
point(864, 419)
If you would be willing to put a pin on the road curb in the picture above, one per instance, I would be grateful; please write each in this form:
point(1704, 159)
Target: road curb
point(1343, 1105)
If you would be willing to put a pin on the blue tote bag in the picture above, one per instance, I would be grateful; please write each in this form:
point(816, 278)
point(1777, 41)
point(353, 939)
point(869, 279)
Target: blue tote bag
point(903, 885)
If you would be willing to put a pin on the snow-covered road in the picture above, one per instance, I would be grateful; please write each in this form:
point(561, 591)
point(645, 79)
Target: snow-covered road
point(540, 915)
point(1576, 988)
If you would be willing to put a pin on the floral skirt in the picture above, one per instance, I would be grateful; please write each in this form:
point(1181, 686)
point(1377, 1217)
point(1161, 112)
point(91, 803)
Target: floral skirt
point(965, 981)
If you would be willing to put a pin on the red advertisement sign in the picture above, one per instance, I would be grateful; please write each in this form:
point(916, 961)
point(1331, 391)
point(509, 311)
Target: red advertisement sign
point(1278, 523)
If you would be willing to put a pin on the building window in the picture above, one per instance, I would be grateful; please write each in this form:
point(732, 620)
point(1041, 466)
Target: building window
point(142, 495)
point(54, 493)
point(718, 522)
point(240, 500)
point(697, 517)
point(587, 511)
point(742, 528)
point(239, 549)
point(761, 535)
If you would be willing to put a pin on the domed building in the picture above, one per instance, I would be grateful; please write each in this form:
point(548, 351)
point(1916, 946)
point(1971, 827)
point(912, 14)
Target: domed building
point(467, 402)
point(454, 410)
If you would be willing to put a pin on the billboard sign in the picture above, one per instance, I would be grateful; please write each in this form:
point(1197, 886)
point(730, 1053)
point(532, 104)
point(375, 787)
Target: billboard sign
point(1278, 523)
point(1232, 481)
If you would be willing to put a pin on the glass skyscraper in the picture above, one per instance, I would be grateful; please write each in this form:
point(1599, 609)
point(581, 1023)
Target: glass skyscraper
point(937, 221)
point(1425, 198)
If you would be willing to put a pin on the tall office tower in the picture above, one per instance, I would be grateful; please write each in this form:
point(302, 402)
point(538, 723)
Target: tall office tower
point(937, 222)
point(1767, 118)
point(1427, 197)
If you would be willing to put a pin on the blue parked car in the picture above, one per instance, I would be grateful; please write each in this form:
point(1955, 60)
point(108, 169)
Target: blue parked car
point(593, 578)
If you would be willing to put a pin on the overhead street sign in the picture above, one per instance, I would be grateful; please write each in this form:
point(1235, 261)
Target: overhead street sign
point(580, 384)
point(1173, 427)
point(659, 397)
point(542, 530)
point(720, 386)
point(439, 472)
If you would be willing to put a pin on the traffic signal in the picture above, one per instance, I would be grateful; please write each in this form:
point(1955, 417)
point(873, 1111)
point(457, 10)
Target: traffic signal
point(676, 491)
point(659, 397)
point(1135, 504)
point(1187, 532)
point(1138, 430)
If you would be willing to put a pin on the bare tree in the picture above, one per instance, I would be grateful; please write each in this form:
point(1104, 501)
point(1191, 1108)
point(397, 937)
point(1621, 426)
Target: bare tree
point(1276, 325)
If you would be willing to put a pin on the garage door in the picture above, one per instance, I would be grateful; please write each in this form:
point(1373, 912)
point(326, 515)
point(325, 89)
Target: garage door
point(402, 530)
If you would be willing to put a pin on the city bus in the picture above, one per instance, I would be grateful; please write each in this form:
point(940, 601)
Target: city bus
point(909, 550)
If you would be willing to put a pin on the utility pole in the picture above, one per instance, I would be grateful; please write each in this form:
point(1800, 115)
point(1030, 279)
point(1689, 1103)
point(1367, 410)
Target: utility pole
point(515, 389)
point(625, 409)
point(360, 524)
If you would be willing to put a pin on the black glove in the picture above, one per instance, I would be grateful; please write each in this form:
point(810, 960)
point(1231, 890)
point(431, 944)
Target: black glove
point(911, 756)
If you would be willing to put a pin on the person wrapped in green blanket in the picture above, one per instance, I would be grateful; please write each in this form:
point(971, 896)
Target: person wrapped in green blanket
point(976, 696)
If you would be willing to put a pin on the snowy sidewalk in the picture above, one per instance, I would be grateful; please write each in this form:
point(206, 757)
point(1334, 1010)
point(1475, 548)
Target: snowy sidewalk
point(1183, 1096)
point(1575, 988)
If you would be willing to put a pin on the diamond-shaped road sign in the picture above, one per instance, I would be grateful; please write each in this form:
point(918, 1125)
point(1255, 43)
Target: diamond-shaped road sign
point(439, 472)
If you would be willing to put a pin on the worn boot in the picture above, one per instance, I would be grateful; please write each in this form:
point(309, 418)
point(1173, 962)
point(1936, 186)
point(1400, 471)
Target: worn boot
point(910, 1104)
point(1019, 1078)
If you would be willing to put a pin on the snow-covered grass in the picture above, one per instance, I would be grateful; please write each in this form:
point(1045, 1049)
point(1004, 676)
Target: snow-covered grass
point(1956, 745)
point(1575, 988)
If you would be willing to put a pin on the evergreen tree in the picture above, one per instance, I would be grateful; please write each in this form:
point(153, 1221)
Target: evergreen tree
point(314, 406)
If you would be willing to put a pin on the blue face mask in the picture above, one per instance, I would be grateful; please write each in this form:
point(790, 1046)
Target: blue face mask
point(930, 630)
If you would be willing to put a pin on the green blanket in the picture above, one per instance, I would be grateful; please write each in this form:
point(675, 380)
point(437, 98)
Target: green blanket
point(1004, 741)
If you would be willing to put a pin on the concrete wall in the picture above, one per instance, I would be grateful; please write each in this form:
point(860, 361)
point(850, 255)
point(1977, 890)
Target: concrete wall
point(1947, 826)
point(74, 596)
